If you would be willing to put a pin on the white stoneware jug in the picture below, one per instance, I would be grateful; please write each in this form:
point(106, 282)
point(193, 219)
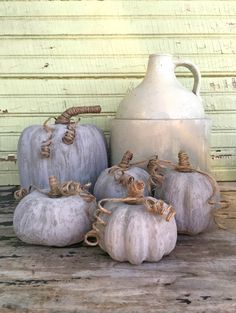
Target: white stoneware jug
point(160, 116)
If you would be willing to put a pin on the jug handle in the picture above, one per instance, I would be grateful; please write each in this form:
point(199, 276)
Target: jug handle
point(195, 71)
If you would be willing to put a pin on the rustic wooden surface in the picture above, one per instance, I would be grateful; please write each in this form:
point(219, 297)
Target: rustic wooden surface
point(199, 276)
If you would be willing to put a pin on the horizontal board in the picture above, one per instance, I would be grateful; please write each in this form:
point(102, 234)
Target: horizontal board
point(117, 26)
point(102, 86)
point(120, 8)
point(109, 103)
point(224, 174)
point(223, 148)
point(87, 66)
point(16, 123)
point(9, 178)
point(117, 46)
point(11, 124)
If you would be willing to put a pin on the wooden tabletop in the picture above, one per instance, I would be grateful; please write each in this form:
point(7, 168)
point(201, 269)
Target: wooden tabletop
point(198, 276)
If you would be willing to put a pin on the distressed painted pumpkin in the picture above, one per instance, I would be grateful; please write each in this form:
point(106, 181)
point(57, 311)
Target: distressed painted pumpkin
point(134, 229)
point(113, 182)
point(65, 150)
point(43, 218)
point(193, 194)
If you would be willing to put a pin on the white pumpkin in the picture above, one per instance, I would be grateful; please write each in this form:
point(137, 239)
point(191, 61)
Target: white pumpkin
point(66, 151)
point(131, 232)
point(113, 182)
point(193, 194)
point(42, 220)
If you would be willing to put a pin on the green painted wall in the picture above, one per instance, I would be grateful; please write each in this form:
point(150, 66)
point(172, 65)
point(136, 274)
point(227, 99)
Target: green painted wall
point(56, 54)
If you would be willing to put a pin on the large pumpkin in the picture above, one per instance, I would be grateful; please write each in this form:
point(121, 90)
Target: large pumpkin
point(65, 150)
point(194, 195)
point(52, 218)
point(113, 182)
point(134, 229)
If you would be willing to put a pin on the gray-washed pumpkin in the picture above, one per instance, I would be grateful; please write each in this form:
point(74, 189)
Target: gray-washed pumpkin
point(65, 150)
point(60, 217)
point(193, 193)
point(113, 182)
point(134, 229)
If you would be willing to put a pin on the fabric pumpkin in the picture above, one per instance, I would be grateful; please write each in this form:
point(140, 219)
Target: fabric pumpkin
point(113, 182)
point(43, 218)
point(65, 150)
point(134, 229)
point(193, 194)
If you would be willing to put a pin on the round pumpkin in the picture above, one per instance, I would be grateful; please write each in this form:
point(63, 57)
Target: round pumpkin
point(193, 194)
point(42, 218)
point(133, 229)
point(65, 150)
point(113, 182)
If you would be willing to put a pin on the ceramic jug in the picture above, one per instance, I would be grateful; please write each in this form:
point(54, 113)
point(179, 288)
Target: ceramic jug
point(160, 116)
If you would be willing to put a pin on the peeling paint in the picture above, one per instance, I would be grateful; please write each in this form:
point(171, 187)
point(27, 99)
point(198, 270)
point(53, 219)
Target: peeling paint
point(10, 158)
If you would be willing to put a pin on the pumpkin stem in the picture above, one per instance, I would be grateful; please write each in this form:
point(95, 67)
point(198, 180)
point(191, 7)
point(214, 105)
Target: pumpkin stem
point(127, 157)
point(184, 164)
point(54, 187)
point(136, 189)
point(65, 117)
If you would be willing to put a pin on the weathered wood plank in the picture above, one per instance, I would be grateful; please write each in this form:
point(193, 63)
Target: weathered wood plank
point(103, 86)
point(126, 45)
point(58, 103)
point(108, 65)
point(196, 277)
point(117, 26)
point(117, 8)
point(16, 123)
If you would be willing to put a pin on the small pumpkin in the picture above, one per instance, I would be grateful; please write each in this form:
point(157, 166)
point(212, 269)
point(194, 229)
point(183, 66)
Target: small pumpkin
point(113, 182)
point(66, 150)
point(60, 217)
point(134, 229)
point(193, 193)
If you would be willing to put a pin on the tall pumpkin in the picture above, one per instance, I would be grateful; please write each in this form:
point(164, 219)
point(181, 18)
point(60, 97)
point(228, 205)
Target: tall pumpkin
point(193, 193)
point(135, 228)
point(113, 182)
point(65, 150)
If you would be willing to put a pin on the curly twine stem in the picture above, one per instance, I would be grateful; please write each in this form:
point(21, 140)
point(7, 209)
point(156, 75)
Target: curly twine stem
point(46, 145)
point(65, 117)
point(135, 196)
point(20, 194)
point(69, 188)
point(119, 171)
point(154, 168)
point(69, 135)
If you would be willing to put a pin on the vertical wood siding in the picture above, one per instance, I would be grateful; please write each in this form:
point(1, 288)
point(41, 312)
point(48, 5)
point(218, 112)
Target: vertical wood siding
point(57, 54)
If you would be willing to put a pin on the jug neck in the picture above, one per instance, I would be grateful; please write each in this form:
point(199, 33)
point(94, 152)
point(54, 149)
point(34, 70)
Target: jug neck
point(160, 68)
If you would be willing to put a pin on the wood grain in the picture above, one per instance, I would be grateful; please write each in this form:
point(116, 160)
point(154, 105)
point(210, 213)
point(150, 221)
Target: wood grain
point(196, 277)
